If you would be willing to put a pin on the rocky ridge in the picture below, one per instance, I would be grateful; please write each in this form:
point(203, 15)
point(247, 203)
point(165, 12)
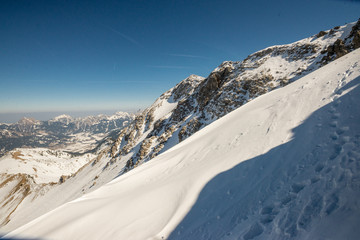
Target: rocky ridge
point(229, 86)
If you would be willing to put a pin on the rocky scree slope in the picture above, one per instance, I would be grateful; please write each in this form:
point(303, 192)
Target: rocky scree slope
point(183, 110)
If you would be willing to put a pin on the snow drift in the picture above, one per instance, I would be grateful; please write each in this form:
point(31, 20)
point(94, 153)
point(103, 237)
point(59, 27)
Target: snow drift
point(285, 165)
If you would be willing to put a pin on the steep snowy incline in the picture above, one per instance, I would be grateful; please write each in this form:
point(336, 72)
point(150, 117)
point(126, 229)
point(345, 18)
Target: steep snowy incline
point(285, 165)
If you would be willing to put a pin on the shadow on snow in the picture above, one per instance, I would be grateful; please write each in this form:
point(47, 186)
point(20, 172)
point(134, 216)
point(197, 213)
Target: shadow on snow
point(284, 192)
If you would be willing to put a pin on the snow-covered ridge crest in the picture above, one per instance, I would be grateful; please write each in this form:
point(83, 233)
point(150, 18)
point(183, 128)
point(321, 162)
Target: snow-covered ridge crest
point(168, 101)
point(28, 121)
point(60, 117)
point(94, 119)
point(283, 166)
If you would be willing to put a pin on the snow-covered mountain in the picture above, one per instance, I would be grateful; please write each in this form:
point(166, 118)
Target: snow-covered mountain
point(62, 132)
point(196, 102)
point(179, 113)
point(283, 166)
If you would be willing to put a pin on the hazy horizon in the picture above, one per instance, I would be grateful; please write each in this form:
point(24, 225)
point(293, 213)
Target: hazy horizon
point(14, 117)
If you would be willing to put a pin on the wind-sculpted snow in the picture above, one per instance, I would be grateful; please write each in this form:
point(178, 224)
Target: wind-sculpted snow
point(307, 188)
point(284, 166)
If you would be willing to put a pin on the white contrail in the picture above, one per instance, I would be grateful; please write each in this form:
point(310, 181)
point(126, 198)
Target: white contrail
point(169, 67)
point(122, 35)
point(187, 55)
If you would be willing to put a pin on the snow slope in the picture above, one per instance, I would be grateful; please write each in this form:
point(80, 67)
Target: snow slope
point(44, 165)
point(285, 165)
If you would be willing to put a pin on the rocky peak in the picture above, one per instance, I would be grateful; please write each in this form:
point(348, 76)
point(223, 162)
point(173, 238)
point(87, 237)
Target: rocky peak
point(213, 82)
point(27, 121)
point(355, 36)
point(25, 125)
point(64, 118)
point(186, 87)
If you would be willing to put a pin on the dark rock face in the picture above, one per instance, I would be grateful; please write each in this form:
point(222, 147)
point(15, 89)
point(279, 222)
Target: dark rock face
point(213, 82)
point(183, 108)
point(356, 40)
point(321, 34)
point(338, 49)
point(257, 86)
point(191, 127)
point(355, 35)
point(185, 87)
point(342, 47)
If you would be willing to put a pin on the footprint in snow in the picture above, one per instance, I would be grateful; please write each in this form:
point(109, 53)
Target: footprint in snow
point(255, 230)
point(286, 200)
point(297, 187)
point(338, 149)
point(342, 130)
point(333, 124)
point(334, 136)
point(311, 210)
point(332, 204)
point(319, 167)
point(268, 214)
point(335, 115)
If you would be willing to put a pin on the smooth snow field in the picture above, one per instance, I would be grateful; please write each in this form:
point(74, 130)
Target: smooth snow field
point(284, 166)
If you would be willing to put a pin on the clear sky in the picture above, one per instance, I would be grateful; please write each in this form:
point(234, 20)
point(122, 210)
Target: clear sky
point(68, 56)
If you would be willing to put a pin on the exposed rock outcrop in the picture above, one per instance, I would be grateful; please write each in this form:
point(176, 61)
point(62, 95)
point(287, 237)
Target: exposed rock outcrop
point(343, 46)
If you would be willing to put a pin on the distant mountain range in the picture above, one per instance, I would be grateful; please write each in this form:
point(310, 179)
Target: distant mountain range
point(62, 132)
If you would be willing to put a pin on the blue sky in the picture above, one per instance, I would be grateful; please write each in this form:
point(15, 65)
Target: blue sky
point(72, 56)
